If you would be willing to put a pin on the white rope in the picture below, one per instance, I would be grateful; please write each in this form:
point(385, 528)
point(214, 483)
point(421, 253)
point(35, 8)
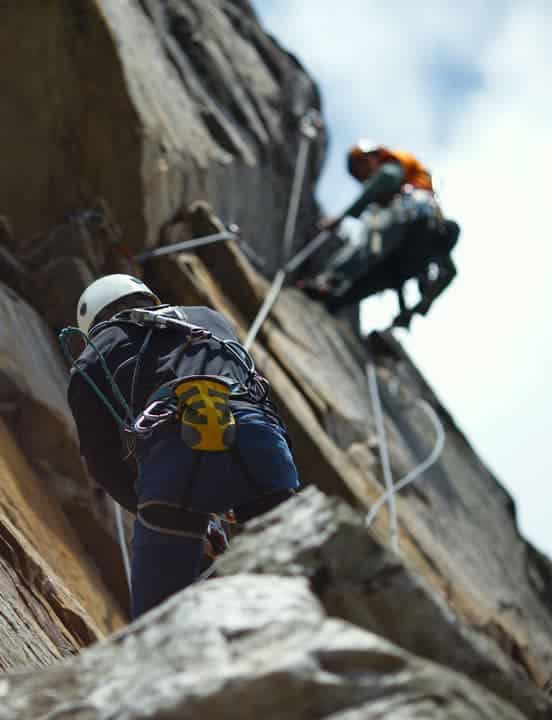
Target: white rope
point(206, 573)
point(419, 469)
point(278, 283)
point(266, 307)
point(296, 191)
point(309, 130)
point(122, 541)
point(384, 455)
point(309, 249)
point(186, 245)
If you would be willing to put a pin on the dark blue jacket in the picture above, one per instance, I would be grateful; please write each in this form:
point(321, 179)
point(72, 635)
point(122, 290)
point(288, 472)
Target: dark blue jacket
point(167, 357)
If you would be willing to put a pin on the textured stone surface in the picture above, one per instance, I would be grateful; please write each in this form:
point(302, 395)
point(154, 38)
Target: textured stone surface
point(457, 528)
point(359, 580)
point(457, 524)
point(33, 381)
point(53, 600)
point(246, 647)
point(150, 105)
point(141, 107)
point(465, 521)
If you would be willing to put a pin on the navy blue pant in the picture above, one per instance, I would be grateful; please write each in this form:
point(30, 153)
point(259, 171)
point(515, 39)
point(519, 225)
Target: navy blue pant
point(163, 563)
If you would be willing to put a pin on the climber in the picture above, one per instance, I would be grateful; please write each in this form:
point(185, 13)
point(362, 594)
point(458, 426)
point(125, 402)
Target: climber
point(404, 235)
point(200, 434)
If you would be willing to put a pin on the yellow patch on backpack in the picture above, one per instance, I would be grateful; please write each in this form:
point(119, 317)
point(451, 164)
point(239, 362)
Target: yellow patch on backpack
point(206, 421)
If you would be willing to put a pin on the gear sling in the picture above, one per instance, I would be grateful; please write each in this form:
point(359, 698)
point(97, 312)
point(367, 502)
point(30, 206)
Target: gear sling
point(201, 407)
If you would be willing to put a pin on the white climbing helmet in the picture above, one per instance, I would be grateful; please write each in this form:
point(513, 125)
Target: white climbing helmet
point(106, 290)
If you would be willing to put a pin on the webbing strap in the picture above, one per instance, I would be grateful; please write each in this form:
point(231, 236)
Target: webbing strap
point(172, 519)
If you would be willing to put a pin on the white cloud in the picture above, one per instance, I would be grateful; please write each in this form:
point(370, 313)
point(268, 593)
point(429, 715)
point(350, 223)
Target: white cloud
point(497, 336)
point(487, 344)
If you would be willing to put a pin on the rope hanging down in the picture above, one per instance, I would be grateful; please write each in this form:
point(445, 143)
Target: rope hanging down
point(63, 339)
point(384, 454)
point(310, 127)
point(410, 477)
point(121, 536)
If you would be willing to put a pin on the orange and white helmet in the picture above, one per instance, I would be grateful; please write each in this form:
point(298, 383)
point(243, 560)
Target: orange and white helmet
point(107, 290)
point(357, 156)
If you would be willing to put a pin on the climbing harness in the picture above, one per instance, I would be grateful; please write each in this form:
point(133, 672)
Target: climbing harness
point(254, 389)
point(199, 405)
point(391, 488)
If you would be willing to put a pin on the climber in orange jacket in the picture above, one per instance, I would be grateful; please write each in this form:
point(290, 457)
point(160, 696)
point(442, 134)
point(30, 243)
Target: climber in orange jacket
point(404, 235)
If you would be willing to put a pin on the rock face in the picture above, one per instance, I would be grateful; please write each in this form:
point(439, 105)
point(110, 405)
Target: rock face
point(146, 103)
point(357, 579)
point(121, 115)
point(249, 647)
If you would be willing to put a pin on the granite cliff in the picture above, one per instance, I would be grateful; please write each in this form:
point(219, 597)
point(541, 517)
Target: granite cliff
point(129, 124)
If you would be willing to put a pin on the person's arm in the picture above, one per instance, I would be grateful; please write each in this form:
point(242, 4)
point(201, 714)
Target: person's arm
point(100, 444)
point(387, 181)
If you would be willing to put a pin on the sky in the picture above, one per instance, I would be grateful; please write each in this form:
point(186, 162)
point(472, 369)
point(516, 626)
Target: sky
point(466, 87)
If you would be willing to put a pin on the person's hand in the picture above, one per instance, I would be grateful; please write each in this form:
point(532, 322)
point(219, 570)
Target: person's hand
point(328, 223)
point(403, 320)
point(216, 540)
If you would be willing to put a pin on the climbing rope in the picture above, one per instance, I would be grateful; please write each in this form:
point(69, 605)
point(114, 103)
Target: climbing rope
point(121, 536)
point(256, 387)
point(64, 336)
point(309, 127)
point(412, 475)
point(231, 233)
point(278, 283)
point(384, 454)
point(184, 245)
point(265, 308)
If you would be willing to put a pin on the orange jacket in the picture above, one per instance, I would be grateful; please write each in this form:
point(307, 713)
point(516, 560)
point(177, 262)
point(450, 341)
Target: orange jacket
point(415, 173)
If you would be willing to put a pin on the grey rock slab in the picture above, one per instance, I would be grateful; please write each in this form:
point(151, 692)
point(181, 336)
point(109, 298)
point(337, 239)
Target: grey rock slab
point(244, 647)
point(358, 579)
point(33, 389)
point(151, 105)
point(463, 518)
